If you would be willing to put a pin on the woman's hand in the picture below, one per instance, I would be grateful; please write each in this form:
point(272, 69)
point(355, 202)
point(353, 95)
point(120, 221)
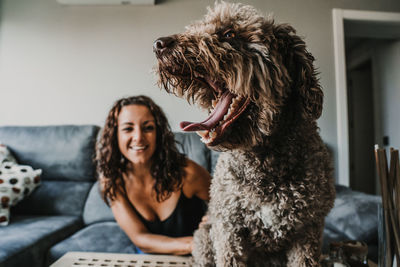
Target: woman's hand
point(186, 245)
point(204, 220)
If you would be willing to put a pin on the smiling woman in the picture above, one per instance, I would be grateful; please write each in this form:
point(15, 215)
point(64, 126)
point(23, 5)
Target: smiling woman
point(136, 134)
point(156, 194)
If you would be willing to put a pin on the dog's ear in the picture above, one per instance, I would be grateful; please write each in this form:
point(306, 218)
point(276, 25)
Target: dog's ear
point(299, 63)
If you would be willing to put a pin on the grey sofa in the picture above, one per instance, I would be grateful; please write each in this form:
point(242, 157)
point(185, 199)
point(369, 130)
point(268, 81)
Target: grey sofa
point(66, 213)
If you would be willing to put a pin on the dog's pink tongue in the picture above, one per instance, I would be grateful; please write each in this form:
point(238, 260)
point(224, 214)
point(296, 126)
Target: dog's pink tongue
point(218, 113)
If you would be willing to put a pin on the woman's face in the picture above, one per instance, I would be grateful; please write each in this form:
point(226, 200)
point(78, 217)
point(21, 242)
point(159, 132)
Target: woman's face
point(136, 134)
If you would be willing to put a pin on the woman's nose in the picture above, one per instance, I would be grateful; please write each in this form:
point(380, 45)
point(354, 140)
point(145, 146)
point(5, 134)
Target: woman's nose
point(137, 135)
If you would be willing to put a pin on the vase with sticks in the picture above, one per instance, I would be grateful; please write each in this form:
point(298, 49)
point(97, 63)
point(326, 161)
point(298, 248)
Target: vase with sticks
point(389, 177)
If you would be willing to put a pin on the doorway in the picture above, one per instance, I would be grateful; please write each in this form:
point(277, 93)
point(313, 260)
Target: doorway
point(361, 127)
point(358, 117)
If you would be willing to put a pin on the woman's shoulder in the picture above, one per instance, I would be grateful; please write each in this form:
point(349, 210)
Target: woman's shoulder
point(113, 191)
point(105, 182)
point(196, 180)
point(192, 170)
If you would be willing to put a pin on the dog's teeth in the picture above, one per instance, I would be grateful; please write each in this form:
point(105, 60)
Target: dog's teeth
point(205, 141)
point(203, 134)
point(212, 134)
point(233, 104)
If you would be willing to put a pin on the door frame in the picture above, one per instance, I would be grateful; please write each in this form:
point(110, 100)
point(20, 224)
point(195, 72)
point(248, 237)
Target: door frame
point(339, 16)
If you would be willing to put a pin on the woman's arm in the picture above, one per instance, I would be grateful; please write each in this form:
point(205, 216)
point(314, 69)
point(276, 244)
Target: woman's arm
point(141, 237)
point(197, 181)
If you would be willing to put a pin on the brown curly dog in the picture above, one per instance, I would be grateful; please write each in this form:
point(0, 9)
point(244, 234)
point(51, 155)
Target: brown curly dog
point(273, 185)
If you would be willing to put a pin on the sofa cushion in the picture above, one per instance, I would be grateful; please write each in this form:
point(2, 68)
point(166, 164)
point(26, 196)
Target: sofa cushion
point(25, 241)
point(98, 237)
point(62, 152)
point(96, 209)
point(55, 198)
point(193, 148)
point(355, 214)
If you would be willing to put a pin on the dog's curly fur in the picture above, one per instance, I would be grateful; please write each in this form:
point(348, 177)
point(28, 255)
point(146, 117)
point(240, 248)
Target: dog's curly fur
point(272, 186)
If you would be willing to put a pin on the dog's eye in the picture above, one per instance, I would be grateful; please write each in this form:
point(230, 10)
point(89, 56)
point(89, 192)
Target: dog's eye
point(229, 34)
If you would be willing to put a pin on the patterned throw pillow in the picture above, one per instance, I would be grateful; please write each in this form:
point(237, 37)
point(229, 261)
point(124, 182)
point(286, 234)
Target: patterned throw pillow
point(16, 182)
point(5, 155)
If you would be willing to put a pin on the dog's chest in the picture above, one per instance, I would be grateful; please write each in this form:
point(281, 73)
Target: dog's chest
point(240, 188)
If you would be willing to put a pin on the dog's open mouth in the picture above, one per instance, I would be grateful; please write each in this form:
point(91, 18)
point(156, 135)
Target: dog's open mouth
point(226, 108)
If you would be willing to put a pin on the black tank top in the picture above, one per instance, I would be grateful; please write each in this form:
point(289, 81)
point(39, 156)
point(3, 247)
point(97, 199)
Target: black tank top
point(182, 222)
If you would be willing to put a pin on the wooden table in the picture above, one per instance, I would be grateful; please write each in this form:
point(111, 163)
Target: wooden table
point(94, 259)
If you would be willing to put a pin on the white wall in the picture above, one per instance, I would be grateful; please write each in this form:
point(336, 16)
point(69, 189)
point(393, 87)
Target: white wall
point(68, 64)
point(62, 64)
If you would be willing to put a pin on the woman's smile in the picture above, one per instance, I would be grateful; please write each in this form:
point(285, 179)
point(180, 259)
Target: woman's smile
point(139, 148)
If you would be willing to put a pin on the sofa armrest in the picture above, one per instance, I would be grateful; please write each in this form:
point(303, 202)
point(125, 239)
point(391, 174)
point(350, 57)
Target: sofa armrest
point(353, 217)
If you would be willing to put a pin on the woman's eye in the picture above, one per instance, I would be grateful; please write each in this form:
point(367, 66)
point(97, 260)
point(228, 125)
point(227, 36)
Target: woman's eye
point(229, 35)
point(127, 129)
point(149, 128)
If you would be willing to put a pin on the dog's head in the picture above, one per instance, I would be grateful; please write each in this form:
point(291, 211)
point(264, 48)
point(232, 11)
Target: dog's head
point(245, 70)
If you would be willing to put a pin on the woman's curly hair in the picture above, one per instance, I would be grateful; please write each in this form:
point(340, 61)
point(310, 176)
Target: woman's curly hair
point(167, 162)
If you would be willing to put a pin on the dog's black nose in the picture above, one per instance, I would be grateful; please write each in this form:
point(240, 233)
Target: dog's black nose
point(162, 43)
